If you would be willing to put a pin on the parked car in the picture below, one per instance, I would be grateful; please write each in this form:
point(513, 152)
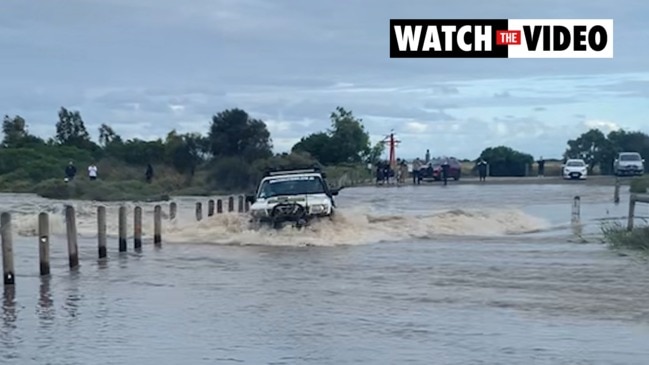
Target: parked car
point(628, 163)
point(575, 169)
point(433, 169)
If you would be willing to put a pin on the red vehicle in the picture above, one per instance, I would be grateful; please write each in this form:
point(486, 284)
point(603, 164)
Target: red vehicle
point(433, 170)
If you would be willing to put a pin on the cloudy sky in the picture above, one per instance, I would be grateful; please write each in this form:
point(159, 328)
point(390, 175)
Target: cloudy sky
point(147, 66)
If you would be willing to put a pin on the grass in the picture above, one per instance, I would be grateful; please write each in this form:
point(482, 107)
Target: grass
point(639, 185)
point(617, 236)
point(117, 182)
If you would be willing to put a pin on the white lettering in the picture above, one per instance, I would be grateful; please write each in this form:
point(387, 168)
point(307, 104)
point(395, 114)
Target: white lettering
point(431, 40)
point(461, 42)
point(482, 37)
point(406, 38)
point(448, 36)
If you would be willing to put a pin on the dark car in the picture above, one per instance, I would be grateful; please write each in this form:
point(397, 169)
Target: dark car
point(433, 170)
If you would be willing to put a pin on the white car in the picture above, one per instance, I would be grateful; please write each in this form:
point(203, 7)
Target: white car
point(575, 169)
point(291, 197)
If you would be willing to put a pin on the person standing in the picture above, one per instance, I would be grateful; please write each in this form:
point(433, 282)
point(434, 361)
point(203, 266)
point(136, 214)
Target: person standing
point(92, 172)
point(541, 163)
point(149, 173)
point(482, 170)
point(445, 168)
point(70, 171)
point(416, 167)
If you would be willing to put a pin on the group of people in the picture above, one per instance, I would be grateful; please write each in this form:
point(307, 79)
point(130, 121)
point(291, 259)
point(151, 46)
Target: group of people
point(386, 174)
point(71, 172)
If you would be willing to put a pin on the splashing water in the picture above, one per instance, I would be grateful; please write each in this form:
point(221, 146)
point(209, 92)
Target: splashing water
point(349, 226)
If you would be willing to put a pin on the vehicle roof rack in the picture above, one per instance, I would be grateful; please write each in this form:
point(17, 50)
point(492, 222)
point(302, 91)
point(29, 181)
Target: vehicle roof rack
point(306, 170)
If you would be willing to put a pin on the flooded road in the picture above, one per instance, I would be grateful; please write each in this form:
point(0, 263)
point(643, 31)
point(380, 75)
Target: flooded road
point(462, 274)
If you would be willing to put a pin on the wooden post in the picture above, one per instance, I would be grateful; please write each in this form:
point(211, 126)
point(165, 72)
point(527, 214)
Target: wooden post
point(241, 204)
point(137, 228)
point(632, 201)
point(157, 225)
point(44, 243)
point(173, 208)
point(122, 229)
point(576, 209)
point(199, 211)
point(210, 207)
point(8, 273)
point(616, 193)
point(71, 228)
point(231, 204)
point(219, 206)
point(101, 231)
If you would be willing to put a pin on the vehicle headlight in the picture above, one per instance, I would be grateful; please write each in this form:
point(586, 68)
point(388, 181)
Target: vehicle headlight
point(317, 208)
point(258, 212)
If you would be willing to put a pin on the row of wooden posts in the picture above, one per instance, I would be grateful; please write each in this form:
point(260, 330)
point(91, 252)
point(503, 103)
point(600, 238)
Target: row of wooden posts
point(633, 200)
point(215, 206)
point(6, 236)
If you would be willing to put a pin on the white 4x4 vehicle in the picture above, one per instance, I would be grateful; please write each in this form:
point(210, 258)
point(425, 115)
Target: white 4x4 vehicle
point(628, 163)
point(293, 197)
point(575, 169)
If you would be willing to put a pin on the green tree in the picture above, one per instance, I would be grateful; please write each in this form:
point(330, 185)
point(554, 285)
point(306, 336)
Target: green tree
point(71, 130)
point(345, 142)
point(376, 152)
point(184, 151)
point(234, 133)
point(138, 152)
point(348, 135)
point(591, 146)
point(318, 145)
point(16, 133)
point(505, 161)
point(107, 135)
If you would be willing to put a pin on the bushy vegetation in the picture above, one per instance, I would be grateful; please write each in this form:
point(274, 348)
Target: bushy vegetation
point(640, 185)
point(618, 237)
point(599, 150)
point(231, 157)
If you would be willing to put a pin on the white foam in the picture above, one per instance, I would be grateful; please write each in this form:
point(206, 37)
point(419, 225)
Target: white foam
point(359, 225)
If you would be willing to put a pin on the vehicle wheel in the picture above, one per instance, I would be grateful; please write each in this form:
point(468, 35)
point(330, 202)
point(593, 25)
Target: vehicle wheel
point(456, 178)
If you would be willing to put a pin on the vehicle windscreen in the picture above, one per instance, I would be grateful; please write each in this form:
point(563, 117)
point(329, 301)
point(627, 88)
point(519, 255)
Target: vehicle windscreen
point(630, 157)
point(293, 185)
point(575, 164)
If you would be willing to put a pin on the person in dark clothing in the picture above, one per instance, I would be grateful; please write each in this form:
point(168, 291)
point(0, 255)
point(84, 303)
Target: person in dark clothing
point(445, 167)
point(482, 170)
point(386, 173)
point(541, 163)
point(70, 171)
point(149, 173)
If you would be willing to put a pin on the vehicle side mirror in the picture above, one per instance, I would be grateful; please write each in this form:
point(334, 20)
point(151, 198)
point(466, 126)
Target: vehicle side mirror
point(250, 199)
point(334, 192)
point(324, 175)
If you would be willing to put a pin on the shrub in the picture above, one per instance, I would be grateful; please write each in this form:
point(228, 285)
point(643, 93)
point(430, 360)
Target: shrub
point(99, 190)
point(617, 236)
point(639, 185)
